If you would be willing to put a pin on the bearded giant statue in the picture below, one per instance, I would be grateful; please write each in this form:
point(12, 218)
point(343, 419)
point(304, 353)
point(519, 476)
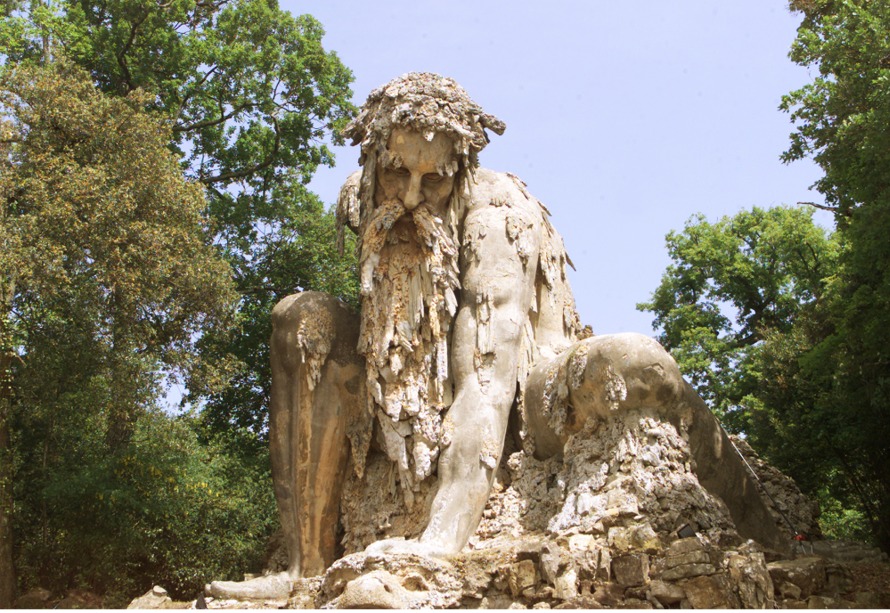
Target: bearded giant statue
point(467, 342)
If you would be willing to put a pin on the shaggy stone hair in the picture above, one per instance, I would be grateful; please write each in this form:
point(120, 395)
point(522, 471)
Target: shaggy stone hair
point(427, 103)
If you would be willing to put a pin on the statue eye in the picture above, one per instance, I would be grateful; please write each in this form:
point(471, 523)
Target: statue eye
point(401, 171)
point(433, 177)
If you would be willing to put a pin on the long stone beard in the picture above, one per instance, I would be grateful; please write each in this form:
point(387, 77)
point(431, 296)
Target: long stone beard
point(409, 276)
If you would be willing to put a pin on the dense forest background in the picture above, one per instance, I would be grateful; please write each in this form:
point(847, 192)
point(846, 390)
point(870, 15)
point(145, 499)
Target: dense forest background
point(153, 208)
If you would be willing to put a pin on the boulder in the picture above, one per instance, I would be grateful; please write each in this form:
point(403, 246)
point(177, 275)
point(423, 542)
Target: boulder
point(710, 592)
point(631, 569)
point(806, 573)
point(155, 598)
point(38, 598)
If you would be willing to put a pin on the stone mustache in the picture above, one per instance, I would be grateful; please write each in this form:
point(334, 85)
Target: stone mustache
point(467, 342)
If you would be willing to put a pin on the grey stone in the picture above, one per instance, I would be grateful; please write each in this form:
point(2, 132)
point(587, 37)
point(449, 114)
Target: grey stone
point(376, 590)
point(666, 593)
point(752, 580)
point(806, 573)
point(566, 585)
point(608, 594)
point(480, 237)
point(693, 557)
point(710, 592)
point(685, 545)
point(789, 590)
point(155, 598)
point(688, 570)
point(522, 576)
point(821, 602)
point(631, 569)
point(269, 587)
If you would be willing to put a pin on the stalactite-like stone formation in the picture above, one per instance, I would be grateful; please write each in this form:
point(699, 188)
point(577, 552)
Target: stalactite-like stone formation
point(409, 277)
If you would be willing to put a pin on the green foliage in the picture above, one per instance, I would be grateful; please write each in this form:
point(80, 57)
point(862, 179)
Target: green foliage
point(164, 510)
point(251, 95)
point(812, 390)
point(837, 522)
point(731, 284)
point(108, 277)
point(843, 116)
point(843, 123)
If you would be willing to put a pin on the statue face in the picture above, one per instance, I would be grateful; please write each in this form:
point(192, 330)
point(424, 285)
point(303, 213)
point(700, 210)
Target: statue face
point(411, 173)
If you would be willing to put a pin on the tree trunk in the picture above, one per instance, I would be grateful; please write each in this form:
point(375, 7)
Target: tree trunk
point(7, 572)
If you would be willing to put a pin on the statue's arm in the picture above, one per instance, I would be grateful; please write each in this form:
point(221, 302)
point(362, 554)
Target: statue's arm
point(498, 285)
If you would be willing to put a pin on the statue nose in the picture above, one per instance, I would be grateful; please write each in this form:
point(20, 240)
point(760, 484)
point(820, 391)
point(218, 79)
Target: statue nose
point(414, 194)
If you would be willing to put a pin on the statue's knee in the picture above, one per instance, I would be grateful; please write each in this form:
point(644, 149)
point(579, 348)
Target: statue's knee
point(316, 323)
point(649, 374)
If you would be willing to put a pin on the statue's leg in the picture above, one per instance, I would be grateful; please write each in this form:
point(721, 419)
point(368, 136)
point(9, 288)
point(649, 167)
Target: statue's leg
point(618, 372)
point(317, 386)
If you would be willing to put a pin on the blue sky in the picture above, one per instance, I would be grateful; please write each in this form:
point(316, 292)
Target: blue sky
point(624, 118)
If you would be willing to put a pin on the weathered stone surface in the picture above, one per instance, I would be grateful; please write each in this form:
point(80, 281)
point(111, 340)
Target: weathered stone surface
point(582, 479)
point(155, 598)
point(37, 598)
point(686, 571)
point(792, 511)
point(268, 587)
point(521, 576)
point(684, 546)
point(375, 590)
point(751, 577)
point(666, 593)
point(693, 557)
point(608, 594)
point(806, 573)
point(822, 602)
point(710, 592)
point(414, 581)
point(844, 551)
point(631, 569)
point(565, 587)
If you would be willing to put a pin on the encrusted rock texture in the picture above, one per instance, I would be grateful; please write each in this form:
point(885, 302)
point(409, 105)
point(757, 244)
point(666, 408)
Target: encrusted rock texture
point(619, 522)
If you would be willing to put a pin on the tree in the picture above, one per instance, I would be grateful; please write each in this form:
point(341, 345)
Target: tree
point(732, 285)
point(252, 96)
point(108, 272)
point(843, 122)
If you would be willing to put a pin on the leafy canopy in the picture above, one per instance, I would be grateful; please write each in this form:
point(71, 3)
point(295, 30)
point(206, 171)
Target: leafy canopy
point(731, 284)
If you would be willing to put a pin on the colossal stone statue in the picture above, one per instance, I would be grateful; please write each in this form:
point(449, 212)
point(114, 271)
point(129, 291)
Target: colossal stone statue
point(467, 330)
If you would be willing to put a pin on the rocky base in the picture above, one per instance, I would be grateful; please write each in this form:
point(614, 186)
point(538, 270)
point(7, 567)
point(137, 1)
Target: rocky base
point(620, 521)
point(581, 571)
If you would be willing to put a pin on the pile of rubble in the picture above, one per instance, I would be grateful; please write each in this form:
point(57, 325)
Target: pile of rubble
point(619, 521)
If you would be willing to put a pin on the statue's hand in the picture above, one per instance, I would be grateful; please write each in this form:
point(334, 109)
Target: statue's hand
point(400, 545)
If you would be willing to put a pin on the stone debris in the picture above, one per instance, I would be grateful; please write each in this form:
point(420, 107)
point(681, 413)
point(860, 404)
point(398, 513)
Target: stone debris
point(598, 529)
point(155, 598)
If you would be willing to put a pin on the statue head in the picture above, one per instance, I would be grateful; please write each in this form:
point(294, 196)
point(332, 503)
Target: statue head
point(438, 112)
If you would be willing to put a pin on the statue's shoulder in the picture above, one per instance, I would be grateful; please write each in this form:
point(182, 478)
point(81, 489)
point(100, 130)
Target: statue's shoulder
point(492, 188)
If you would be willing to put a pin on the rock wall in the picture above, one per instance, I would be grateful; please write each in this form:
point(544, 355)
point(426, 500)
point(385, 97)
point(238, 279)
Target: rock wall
point(793, 512)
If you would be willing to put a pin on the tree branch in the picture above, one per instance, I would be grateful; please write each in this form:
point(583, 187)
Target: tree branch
point(121, 56)
point(830, 209)
point(213, 122)
point(246, 172)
